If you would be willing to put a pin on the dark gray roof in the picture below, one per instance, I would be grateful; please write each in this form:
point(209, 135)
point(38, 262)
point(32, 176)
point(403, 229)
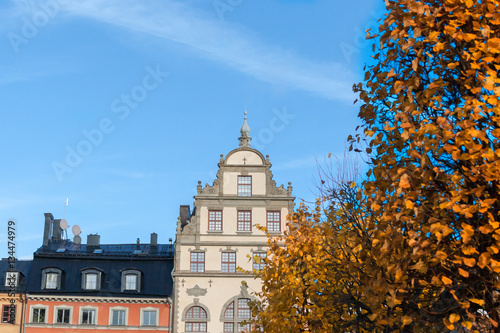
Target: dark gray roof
point(154, 263)
point(67, 248)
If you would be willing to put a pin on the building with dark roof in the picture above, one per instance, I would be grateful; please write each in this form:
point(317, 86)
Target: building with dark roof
point(116, 287)
point(13, 281)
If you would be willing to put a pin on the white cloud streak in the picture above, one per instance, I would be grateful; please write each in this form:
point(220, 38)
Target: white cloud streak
point(222, 42)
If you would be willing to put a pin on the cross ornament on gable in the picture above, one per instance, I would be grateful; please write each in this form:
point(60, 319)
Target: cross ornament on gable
point(244, 160)
point(210, 282)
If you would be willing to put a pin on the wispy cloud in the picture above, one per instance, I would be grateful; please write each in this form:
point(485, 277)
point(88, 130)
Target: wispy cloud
point(221, 42)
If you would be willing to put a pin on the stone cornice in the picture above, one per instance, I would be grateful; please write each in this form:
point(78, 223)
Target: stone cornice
point(98, 299)
point(209, 274)
point(100, 327)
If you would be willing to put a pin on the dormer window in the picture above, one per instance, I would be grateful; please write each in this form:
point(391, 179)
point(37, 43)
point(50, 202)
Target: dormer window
point(131, 280)
point(51, 278)
point(244, 186)
point(11, 279)
point(91, 279)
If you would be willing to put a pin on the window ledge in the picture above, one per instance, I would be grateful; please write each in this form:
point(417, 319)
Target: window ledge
point(217, 232)
point(243, 232)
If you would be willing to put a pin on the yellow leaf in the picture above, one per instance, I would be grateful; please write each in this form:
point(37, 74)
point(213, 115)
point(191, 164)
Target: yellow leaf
point(484, 259)
point(471, 262)
point(463, 272)
point(449, 325)
point(486, 229)
point(446, 280)
point(406, 320)
point(409, 204)
point(403, 182)
point(467, 324)
point(468, 250)
point(477, 301)
point(454, 318)
point(441, 255)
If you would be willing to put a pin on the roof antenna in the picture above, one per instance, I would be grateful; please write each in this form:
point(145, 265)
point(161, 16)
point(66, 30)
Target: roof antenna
point(66, 203)
point(63, 223)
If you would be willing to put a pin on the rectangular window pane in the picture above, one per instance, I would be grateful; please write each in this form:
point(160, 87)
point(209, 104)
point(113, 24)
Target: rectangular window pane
point(11, 279)
point(273, 221)
point(88, 317)
point(118, 317)
point(131, 282)
point(259, 260)
point(215, 220)
point(243, 328)
point(149, 318)
point(62, 316)
point(51, 281)
point(228, 327)
point(91, 281)
point(196, 327)
point(8, 314)
point(228, 262)
point(244, 186)
point(243, 309)
point(197, 261)
point(244, 220)
point(38, 315)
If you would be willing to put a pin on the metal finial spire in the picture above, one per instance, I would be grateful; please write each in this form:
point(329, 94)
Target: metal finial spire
point(245, 132)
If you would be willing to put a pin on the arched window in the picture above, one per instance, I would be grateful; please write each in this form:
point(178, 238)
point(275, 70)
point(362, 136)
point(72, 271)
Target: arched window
point(235, 313)
point(196, 319)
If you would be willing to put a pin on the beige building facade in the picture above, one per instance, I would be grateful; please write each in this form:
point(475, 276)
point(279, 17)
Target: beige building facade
point(220, 234)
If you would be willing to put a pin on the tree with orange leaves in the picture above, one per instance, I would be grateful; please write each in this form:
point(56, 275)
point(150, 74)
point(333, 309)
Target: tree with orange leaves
point(431, 122)
point(418, 248)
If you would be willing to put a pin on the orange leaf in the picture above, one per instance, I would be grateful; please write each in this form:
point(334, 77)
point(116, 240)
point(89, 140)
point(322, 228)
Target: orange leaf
point(471, 262)
point(446, 280)
point(462, 272)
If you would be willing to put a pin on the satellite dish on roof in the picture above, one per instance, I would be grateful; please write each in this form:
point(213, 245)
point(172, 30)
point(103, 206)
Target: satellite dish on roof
point(77, 240)
point(76, 230)
point(63, 224)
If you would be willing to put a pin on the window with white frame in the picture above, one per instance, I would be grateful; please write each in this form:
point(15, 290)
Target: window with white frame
point(235, 314)
point(11, 279)
point(38, 314)
point(149, 317)
point(244, 186)
point(215, 220)
point(228, 262)
point(62, 315)
point(196, 319)
point(244, 220)
point(273, 221)
point(88, 316)
point(131, 280)
point(91, 279)
point(259, 260)
point(118, 317)
point(51, 278)
point(197, 262)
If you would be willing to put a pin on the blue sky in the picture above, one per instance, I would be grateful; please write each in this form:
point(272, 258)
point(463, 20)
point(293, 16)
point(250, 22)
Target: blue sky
point(123, 106)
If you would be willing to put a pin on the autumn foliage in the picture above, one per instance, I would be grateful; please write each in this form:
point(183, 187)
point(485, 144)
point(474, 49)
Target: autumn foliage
point(416, 249)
